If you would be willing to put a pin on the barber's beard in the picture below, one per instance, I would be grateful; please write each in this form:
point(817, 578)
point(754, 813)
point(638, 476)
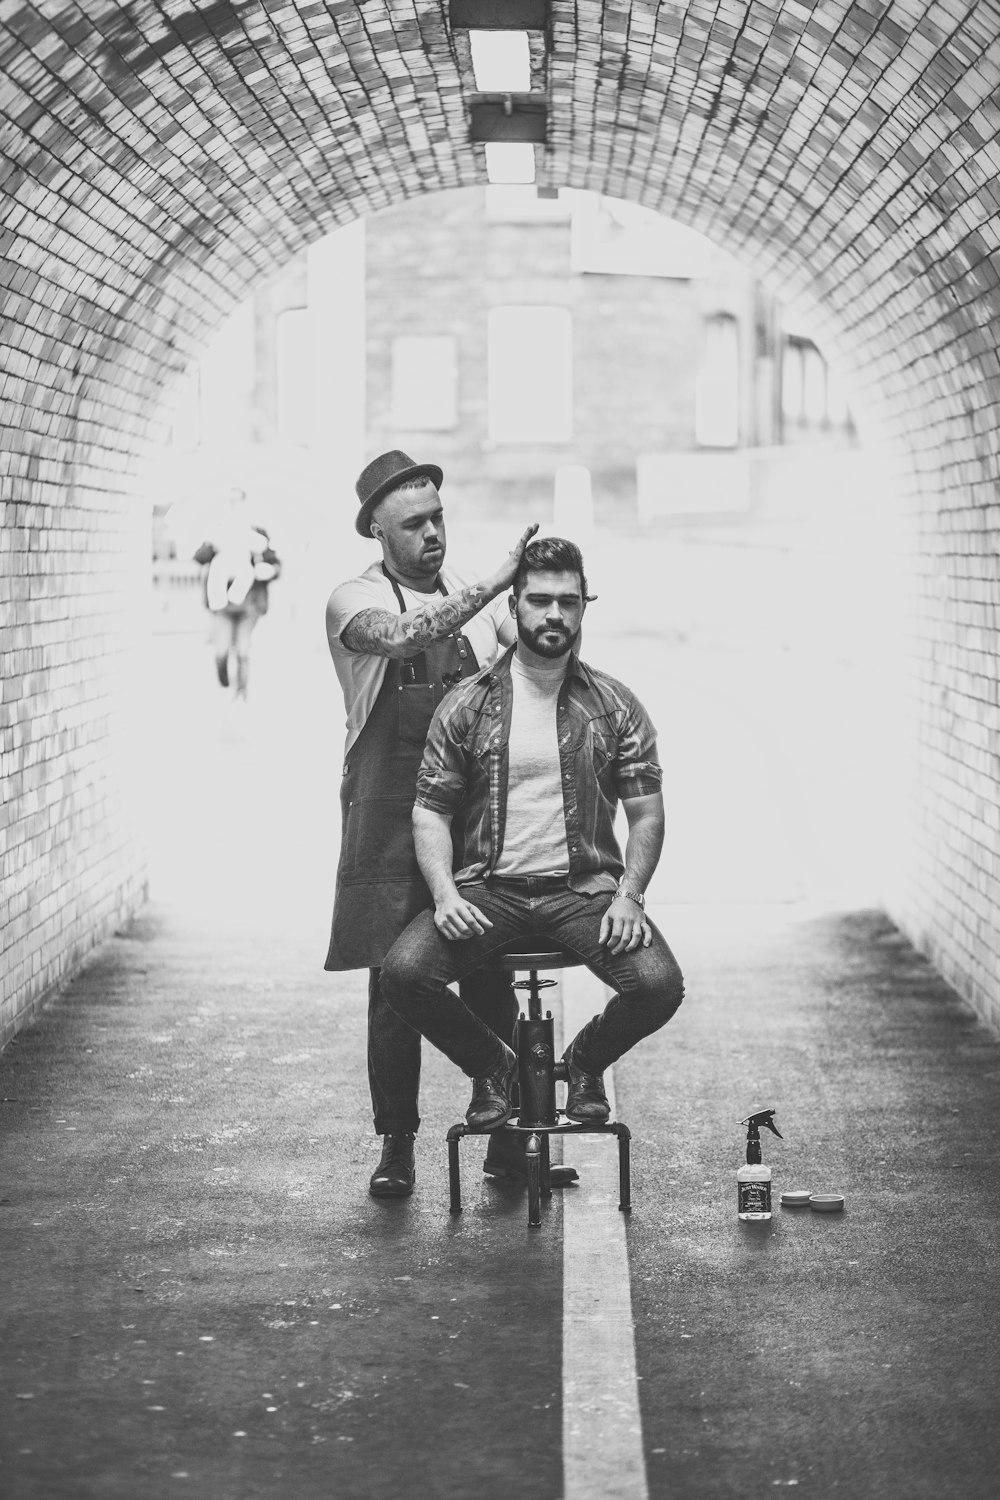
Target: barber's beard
point(419, 565)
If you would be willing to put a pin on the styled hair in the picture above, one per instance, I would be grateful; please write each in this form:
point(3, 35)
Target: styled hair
point(550, 554)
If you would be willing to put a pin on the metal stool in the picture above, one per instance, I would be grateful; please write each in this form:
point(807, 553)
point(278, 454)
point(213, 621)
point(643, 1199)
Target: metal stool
point(538, 1071)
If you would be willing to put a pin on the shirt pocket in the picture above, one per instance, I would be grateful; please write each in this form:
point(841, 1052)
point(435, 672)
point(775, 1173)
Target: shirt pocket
point(597, 746)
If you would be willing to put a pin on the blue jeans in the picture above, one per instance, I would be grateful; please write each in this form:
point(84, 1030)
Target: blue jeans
point(421, 964)
point(394, 1047)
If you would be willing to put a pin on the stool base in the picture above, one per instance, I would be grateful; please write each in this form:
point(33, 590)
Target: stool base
point(537, 1158)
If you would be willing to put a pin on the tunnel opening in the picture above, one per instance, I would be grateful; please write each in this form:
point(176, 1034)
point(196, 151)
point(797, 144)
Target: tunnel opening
point(744, 585)
point(156, 167)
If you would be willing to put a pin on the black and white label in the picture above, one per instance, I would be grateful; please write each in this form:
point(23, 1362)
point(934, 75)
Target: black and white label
point(754, 1197)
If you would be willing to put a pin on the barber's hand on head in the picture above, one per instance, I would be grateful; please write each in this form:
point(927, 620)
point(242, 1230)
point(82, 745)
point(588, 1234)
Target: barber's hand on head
point(624, 927)
point(504, 575)
point(457, 918)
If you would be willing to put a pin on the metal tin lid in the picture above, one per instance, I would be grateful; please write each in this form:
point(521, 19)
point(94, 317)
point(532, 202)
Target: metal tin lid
point(796, 1198)
point(826, 1203)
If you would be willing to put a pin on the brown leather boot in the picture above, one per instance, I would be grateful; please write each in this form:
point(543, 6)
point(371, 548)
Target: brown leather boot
point(585, 1097)
point(494, 1095)
point(395, 1174)
point(505, 1158)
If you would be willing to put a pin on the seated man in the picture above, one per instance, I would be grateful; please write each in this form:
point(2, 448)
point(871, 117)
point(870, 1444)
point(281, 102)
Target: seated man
point(535, 754)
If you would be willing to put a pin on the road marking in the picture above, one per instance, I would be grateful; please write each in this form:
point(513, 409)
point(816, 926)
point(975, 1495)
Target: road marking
point(602, 1424)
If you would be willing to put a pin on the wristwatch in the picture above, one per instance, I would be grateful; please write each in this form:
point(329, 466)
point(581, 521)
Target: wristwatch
point(635, 896)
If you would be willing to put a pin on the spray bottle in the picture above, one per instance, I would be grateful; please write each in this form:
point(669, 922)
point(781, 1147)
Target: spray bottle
point(753, 1181)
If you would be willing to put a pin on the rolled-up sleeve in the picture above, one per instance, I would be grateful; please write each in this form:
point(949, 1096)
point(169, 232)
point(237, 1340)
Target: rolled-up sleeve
point(638, 772)
point(441, 782)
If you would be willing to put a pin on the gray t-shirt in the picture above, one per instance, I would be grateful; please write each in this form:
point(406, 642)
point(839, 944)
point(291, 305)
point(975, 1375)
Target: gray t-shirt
point(535, 835)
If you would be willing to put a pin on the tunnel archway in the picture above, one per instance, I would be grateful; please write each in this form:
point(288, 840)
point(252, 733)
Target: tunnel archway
point(156, 163)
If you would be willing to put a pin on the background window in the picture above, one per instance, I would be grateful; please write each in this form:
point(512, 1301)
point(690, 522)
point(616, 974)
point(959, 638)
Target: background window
point(227, 372)
point(717, 385)
point(425, 383)
point(811, 394)
point(530, 374)
point(185, 429)
point(296, 375)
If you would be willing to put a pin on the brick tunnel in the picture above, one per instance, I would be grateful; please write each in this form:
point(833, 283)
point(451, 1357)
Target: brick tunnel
point(158, 159)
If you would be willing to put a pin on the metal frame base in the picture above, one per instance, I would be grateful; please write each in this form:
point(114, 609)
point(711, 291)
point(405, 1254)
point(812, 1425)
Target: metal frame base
point(537, 1158)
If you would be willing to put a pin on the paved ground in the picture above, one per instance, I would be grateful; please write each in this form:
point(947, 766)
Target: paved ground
point(201, 1299)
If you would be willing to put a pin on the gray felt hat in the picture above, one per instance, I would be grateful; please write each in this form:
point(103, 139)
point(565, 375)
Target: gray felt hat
point(384, 474)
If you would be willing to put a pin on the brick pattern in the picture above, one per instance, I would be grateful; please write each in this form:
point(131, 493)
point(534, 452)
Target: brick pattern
point(156, 159)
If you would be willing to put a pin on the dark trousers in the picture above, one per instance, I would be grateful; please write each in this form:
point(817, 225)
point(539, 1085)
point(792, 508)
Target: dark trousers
point(421, 964)
point(394, 1046)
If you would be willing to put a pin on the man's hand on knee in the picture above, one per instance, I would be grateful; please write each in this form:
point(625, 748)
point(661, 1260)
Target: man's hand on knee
point(624, 927)
point(456, 918)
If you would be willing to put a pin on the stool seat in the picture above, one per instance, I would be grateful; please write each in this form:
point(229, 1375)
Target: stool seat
point(535, 958)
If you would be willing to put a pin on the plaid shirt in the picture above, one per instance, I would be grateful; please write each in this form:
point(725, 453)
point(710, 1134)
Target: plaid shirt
point(607, 753)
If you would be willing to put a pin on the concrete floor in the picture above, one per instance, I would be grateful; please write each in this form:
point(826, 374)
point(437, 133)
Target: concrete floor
point(201, 1299)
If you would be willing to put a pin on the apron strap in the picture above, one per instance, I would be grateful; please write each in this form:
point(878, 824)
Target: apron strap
point(409, 668)
point(399, 593)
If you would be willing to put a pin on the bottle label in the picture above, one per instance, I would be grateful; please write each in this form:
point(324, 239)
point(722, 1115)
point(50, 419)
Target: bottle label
point(754, 1197)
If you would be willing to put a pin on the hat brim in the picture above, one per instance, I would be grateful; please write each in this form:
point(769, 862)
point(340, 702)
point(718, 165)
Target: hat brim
point(418, 471)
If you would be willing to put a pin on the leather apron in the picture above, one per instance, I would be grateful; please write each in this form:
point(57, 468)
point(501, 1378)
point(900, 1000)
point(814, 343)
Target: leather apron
point(379, 885)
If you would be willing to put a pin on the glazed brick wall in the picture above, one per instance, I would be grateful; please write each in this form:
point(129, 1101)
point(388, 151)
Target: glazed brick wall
point(157, 158)
point(70, 733)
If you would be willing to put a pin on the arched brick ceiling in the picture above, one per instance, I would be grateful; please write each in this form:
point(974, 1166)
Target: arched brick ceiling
point(155, 158)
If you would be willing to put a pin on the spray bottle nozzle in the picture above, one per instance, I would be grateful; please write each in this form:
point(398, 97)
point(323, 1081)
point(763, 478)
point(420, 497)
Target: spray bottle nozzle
point(753, 1123)
point(763, 1117)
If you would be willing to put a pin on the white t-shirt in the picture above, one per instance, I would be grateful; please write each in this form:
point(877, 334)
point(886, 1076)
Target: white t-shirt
point(361, 674)
point(534, 841)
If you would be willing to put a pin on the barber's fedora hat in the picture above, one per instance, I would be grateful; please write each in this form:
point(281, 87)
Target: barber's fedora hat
point(384, 474)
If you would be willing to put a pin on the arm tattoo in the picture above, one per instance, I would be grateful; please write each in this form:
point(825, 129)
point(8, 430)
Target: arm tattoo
point(370, 632)
point(377, 632)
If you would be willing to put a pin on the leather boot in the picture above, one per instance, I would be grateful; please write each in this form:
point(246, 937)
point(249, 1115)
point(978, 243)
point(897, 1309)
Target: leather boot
point(505, 1158)
point(395, 1174)
point(585, 1097)
point(493, 1095)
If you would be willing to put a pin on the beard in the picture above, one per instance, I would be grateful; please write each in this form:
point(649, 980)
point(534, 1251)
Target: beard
point(552, 647)
point(419, 564)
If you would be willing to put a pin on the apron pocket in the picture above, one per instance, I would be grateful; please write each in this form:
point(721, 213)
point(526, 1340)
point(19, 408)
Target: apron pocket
point(378, 841)
point(416, 709)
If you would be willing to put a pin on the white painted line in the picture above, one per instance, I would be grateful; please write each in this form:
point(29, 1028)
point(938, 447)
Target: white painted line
point(602, 1426)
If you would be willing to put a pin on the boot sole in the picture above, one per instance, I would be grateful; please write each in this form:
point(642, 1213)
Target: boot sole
point(390, 1190)
point(558, 1176)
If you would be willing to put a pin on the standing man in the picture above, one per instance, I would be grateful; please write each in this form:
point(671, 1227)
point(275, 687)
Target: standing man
point(401, 635)
point(535, 756)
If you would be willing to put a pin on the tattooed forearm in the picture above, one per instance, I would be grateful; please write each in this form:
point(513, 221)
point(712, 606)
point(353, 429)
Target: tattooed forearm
point(431, 621)
point(378, 632)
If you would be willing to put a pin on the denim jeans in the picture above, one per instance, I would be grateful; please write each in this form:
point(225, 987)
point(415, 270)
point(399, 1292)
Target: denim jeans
point(421, 964)
point(394, 1046)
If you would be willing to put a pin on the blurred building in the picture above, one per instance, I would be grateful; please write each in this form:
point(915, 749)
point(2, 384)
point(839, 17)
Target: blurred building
point(515, 337)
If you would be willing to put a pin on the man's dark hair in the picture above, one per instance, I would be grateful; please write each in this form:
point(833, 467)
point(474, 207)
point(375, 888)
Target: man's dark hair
point(550, 554)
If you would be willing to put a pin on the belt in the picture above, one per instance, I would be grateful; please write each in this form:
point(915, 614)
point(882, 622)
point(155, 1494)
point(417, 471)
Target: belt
point(555, 881)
